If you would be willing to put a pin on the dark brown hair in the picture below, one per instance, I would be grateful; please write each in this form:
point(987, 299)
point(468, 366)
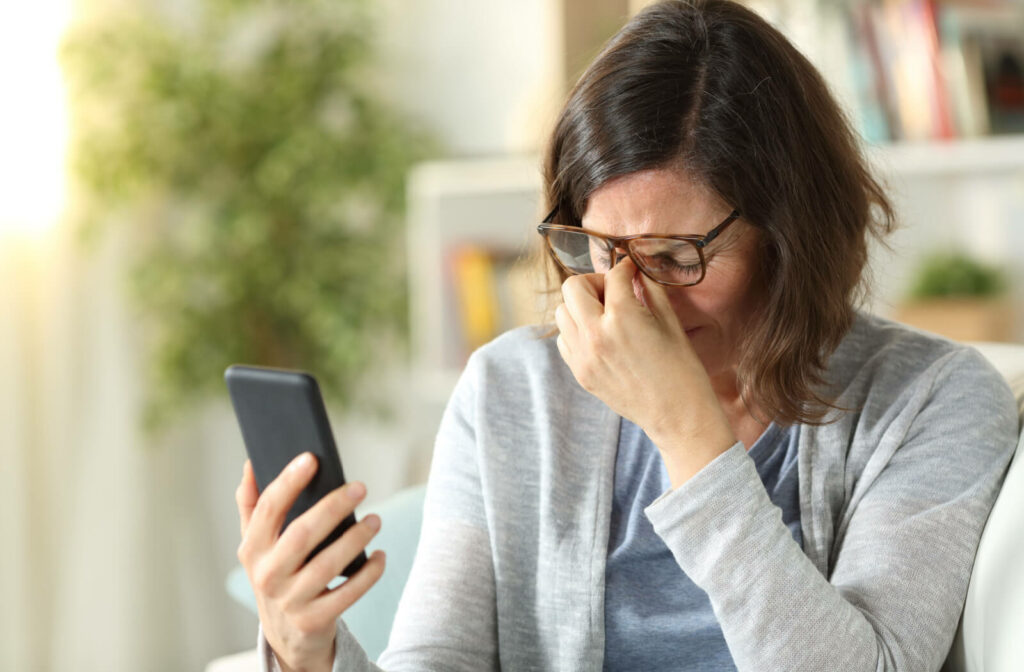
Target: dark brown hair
point(710, 88)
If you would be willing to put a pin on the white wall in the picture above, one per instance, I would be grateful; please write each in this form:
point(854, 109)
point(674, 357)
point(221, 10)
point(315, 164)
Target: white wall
point(485, 74)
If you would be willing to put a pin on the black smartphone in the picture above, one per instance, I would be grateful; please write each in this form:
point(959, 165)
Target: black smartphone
point(281, 414)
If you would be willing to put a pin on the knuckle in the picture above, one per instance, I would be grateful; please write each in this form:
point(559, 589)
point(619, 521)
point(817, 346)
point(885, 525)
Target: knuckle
point(616, 328)
point(375, 569)
point(369, 531)
point(262, 579)
point(336, 506)
point(322, 564)
point(359, 535)
point(585, 377)
point(298, 534)
point(290, 604)
point(265, 506)
point(326, 563)
point(243, 553)
point(344, 596)
point(305, 625)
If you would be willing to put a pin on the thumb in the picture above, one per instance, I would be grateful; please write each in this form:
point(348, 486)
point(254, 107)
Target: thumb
point(656, 298)
point(618, 286)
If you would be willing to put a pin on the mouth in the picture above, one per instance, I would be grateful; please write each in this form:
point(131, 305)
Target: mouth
point(691, 331)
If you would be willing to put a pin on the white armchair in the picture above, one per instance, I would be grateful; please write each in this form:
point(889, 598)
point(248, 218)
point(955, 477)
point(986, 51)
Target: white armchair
point(987, 639)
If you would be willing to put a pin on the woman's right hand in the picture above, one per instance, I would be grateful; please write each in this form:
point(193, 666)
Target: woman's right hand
point(296, 609)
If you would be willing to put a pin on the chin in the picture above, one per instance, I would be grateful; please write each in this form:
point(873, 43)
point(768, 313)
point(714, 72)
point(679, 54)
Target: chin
point(712, 356)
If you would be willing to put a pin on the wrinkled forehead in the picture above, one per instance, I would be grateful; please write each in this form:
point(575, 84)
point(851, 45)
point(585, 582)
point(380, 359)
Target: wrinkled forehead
point(654, 201)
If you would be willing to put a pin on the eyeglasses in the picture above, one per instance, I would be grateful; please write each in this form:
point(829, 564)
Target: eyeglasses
point(676, 261)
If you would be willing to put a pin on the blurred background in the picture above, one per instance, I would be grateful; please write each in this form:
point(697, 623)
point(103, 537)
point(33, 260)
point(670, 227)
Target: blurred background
point(351, 187)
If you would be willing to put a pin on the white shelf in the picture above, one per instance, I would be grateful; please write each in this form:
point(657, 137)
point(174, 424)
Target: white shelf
point(490, 203)
point(964, 190)
point(474, 176)
point(975, 156)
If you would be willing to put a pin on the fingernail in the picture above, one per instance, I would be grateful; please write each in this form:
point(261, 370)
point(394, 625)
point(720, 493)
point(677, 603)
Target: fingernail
point(356, 490)
point(302, 461)
point(373, 522)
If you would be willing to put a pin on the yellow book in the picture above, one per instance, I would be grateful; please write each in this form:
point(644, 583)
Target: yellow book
point(476, 295)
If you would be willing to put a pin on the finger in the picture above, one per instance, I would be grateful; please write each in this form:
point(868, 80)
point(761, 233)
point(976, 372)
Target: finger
point(277, 499)
point(618, 287)
point(566, 325)
point(596, 283)
point(563, 350)
point(582, 295)
point(308, 530)
point(332, 603)
point(658, 302)
point(328, 563)
point(246, 495)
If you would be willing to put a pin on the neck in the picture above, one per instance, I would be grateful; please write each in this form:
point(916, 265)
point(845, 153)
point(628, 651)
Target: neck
point(745, 425)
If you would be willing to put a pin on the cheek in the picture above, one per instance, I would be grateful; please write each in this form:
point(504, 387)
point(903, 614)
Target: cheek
point(723, 301)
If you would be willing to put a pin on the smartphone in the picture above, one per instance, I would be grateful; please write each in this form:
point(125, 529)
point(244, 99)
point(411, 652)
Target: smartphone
point(282, 415)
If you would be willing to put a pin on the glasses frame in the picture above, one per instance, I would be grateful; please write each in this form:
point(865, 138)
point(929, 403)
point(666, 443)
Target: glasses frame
point(622, 243)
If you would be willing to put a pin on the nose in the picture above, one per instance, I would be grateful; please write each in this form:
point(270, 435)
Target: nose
point(620, 254)
point(638, 288)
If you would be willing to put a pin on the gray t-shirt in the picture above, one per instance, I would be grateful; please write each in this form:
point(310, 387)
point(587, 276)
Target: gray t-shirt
point(655, 617)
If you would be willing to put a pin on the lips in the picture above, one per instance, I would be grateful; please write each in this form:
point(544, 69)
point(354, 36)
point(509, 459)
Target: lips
point(691, 331)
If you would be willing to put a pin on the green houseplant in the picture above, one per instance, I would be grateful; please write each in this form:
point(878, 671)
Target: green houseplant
point(960, 297)
point(262, 183)
point(957, 275)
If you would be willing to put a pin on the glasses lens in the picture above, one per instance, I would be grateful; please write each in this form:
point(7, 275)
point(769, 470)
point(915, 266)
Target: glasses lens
point(674, 261)
point(578, 252)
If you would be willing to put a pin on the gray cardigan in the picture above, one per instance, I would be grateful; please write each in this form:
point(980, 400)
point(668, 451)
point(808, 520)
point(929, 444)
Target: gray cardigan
point(509, 572)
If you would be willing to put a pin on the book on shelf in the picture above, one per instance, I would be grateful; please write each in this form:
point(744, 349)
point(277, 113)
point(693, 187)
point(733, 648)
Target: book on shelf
point(490, 291)
point(936, 69)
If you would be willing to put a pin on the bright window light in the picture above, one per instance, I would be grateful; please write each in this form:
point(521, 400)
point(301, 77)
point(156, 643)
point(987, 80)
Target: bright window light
point(33, 118)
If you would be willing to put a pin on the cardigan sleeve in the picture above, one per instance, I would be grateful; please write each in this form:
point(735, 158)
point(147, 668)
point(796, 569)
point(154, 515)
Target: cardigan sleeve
point(900, 570)
point(447, 617)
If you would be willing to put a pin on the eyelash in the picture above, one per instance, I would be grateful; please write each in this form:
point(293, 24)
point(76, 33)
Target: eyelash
point(687, 268)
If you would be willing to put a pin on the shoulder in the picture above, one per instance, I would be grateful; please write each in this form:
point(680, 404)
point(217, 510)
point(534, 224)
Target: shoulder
point(522, 357)
point(902, 385)
point(892, 358)
point(512, 373)
point(520, 380)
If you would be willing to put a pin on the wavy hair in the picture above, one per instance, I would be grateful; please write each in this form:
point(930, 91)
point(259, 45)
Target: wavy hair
point(709, 87)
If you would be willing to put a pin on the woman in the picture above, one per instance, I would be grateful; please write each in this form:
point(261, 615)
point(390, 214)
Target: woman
point(718, 463)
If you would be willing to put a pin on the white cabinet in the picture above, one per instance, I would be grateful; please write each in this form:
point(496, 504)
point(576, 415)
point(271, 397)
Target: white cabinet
point(966, 194)
point(492, 206)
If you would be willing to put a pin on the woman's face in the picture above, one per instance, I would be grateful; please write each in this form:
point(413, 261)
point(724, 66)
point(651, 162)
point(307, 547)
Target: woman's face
point(714, 312)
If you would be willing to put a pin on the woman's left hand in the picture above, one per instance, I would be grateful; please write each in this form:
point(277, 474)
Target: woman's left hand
point(638, 360)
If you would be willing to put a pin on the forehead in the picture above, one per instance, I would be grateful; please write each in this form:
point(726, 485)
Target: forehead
point(654, 201)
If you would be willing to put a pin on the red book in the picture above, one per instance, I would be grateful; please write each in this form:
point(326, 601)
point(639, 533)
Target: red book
point(941, 104)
